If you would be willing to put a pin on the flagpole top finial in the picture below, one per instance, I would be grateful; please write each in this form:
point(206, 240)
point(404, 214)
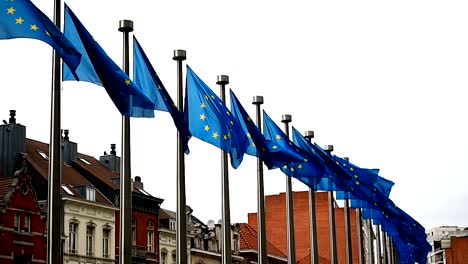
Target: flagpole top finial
point(257, 100)
point(286, 118)
point(328, 148)
point(179, 55)
point(125, 25)
point(309, 134)
point(223, 80)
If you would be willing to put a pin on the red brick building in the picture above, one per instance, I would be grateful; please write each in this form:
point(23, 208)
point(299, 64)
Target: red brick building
point(22, 237)
point(249, 247)
point(276, 230)
point(458, 251)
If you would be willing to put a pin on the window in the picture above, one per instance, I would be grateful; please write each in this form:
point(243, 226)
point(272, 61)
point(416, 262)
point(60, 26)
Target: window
point(17, 222)
point(172, 224)
point(90, 194)
point(105, 242)
point(235, 247)
point(150, 236)
point(173, 257)
point(133, 232)
point(89, 240)
point(163, 256)
point(72, 237)
point(27, 223)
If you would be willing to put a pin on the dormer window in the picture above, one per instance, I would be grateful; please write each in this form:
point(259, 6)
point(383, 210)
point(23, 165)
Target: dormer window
point(172, 224)
point(90, 194)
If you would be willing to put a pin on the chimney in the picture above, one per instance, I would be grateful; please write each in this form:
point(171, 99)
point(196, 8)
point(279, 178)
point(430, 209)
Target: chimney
point(138, 183)
point(12, 144)
point(69, 149)
point(111, 161)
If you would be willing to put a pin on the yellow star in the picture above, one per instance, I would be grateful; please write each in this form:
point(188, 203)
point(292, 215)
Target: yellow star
point(206, 97)
point(128, 82)
point(357, 183)
point(213, 97)
point(278, 137)
point(355, 176)
point(253, 144)
point(47, 33)
point(231, 122)
point(248, 135)
point(159, 87)
point(337, 163)
point(225, 137)
point(203, 105)
point(11, 10)
point(275, 147)
point(299, 166)
point(291, 169)
point(285, 166)
point(249, 119)
point(263, 149)
point(34, 27)
point(228, 113)
point(207, 128)
point(305, 160)
point(215, 135)
point(344, 165)
point(202, 117)
point(290, 143)
point(19, 20)
point(351, 169)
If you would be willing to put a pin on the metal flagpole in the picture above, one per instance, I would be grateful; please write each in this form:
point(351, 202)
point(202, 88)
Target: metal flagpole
point(262, 249)
point(331, 219)
point(226, 218)
point(392, 256)
point(359, 236)
point(314, 255)
point(370, 242)
point(347, 219)
point(286, 119)
point(181, 216)
point(54, 228)
point(379, 252)
point(125, 252)
point(384, 247)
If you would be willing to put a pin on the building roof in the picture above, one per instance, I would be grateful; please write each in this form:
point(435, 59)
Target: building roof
point(72, 179)
point(7, 186)
point(306, 260)
point(249, 240)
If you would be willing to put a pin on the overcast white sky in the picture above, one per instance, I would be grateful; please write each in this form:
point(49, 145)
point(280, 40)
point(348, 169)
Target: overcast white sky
point(383, 81)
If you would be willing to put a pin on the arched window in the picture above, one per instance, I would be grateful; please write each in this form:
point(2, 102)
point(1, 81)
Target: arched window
point(90, 240)
point(163, 256)
point(73, 237)
point(106, 235)
point(150, 236)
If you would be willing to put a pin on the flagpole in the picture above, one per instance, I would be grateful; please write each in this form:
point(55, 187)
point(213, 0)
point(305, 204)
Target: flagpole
point(286, 119)
point(347, 219)
point(54, 226)
point(181, 217)
point(262, 250)
point(226, 218)
point(379, 254)
point(125, 252)
point(384, 247)
point(359, 236)
point(390, 251)
point(370, 241)
point(331, 220)
point(314, 256)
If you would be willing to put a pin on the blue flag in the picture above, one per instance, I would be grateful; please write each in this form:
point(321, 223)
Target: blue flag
point(96, 67)
point(272, 155)
point(210, 120)
point(22, 19)
point(308, 171)
point(148, 80)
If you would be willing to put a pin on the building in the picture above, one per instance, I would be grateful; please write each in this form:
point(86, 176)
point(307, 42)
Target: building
point(276, 230)
point(22, 227)
point(90, 195)
point(204, 241)
point(449, 245)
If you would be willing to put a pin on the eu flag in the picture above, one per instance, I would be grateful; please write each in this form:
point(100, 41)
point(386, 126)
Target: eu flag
point(22, 19)
point(211, 121)
point(306, 170)
point(148, 80)
point(272, 155)
point(96, 67)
